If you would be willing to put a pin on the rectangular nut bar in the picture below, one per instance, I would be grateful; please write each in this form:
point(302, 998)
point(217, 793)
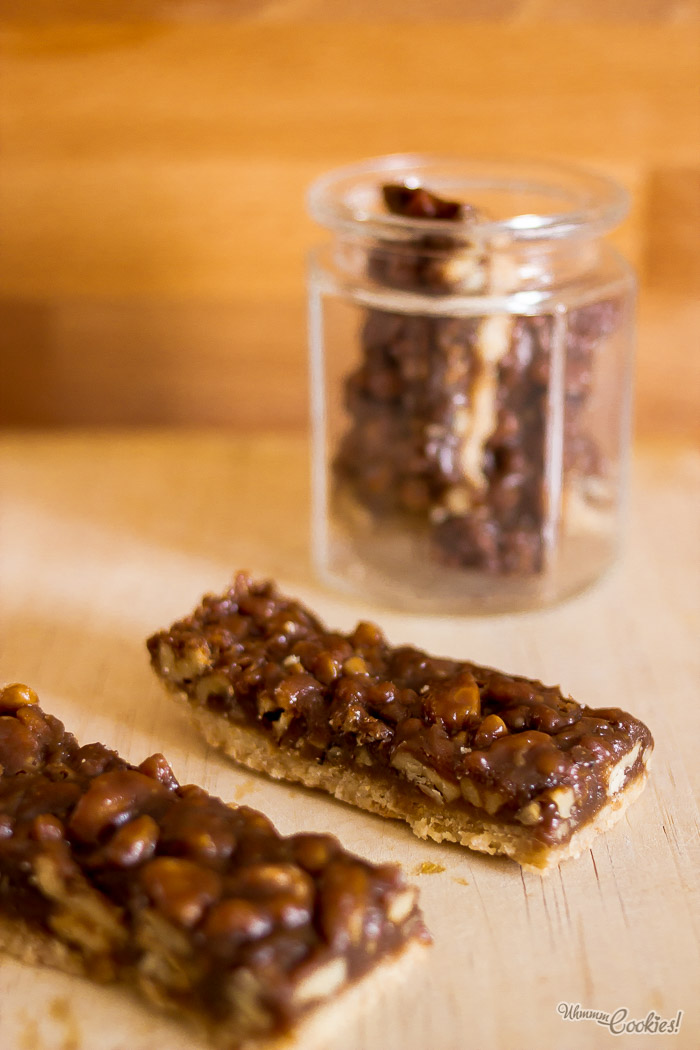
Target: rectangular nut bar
point(465, 753)
point(117, 872)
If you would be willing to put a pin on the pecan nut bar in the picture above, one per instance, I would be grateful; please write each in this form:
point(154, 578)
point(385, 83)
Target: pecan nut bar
point(464, 753)
point(116, 872)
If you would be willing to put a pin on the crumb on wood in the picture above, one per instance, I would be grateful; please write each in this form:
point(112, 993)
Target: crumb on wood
point(60, 1009)
point(243, 789)
point(428, 867)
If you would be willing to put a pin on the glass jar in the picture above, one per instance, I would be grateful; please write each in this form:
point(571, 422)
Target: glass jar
point(471, 356)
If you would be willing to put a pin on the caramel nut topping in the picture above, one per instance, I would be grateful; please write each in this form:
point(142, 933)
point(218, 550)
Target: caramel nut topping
point(455, 702)
point(133, 843)
point(238, 920)
point(451, 731)
point(12, 697)
point(343, 904)
point(186, 662)
point(530, 814)
point(157, 767)
point(202, 905)
point(313, 852)
point(490, 729)
point(288, 892)
point(198, 829)
point(367, 636)
point(428, 780)
point(112, 799)
point(21, 750)
point(327, 668)
point(47, 828)
point(401, 905)
point(267, 880)
point(181, 889)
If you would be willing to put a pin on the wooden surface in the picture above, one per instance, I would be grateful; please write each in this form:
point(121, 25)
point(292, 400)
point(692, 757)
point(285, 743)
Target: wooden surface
point(152, 223)
point(105, 538)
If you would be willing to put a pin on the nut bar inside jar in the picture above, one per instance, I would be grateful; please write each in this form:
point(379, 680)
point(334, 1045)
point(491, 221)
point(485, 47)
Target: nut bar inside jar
point(471, 353)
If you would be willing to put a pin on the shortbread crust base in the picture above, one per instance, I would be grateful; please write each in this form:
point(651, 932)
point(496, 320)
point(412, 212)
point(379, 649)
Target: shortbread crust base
point(382, 794)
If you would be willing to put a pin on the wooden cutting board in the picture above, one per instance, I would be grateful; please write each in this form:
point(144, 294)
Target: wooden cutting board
point(104, 538)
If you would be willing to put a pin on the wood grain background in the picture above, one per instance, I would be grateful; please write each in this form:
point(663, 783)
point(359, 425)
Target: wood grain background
point(152, 222)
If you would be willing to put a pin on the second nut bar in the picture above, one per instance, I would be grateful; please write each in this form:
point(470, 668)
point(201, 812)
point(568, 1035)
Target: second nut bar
point(465, 753)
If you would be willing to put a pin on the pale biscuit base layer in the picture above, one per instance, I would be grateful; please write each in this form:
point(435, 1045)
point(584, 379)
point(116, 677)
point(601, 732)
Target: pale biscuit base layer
point(315, 1031)
point(380, 793)
point(34, 947)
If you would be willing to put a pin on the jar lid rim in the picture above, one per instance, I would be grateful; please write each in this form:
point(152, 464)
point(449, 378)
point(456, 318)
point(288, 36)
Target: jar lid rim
point(345, 199)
